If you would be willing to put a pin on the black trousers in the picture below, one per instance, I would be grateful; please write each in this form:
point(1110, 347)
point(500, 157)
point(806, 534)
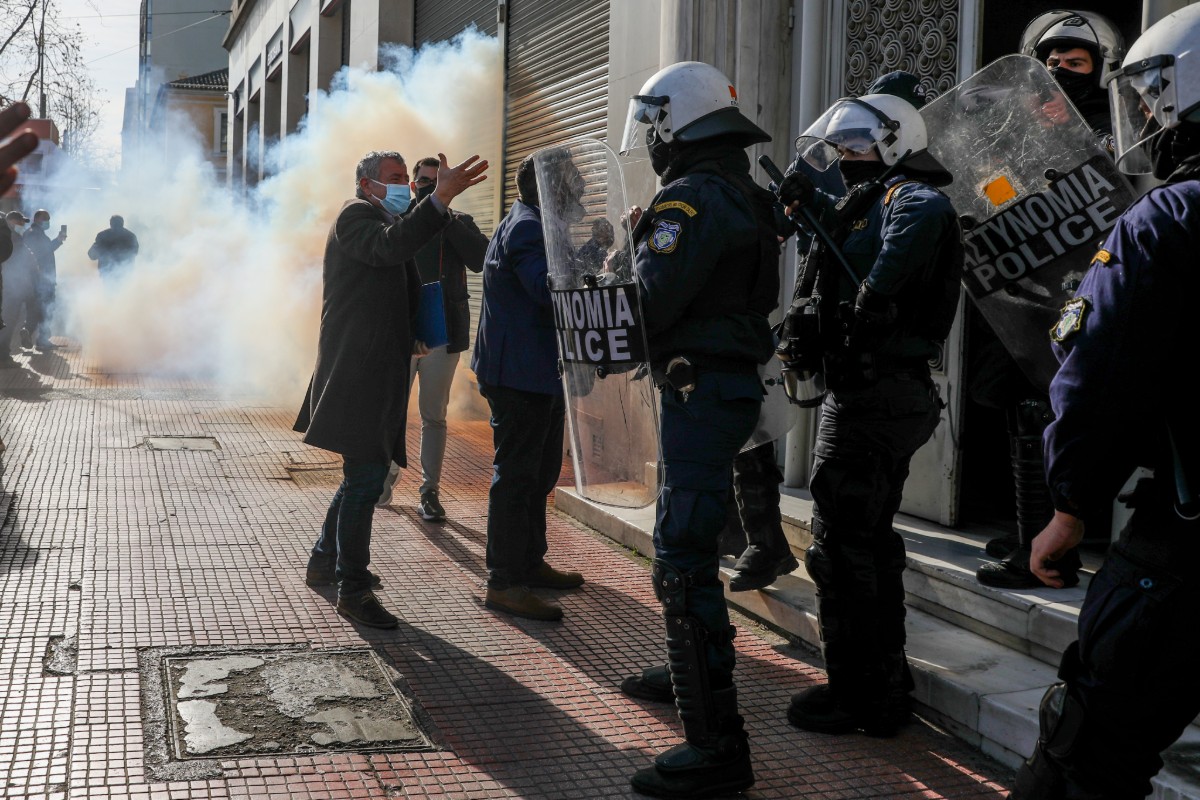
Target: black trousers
point(1131, 679)
point(865, 441)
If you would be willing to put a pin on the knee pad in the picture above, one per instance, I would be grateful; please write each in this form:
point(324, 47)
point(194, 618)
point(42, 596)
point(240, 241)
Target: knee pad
point(1062, 717)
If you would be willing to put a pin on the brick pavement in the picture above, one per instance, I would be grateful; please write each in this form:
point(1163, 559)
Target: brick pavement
point(113, 546)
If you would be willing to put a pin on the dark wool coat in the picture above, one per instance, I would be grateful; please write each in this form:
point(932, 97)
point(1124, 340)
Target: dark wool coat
point(357, 401)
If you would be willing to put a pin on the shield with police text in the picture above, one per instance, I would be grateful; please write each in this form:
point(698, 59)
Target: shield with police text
point(612, 404)
point(1037, 192)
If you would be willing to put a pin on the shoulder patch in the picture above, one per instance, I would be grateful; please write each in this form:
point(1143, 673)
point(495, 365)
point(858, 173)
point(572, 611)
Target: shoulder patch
point(1103, 256)
point(1070, 322)
point(665, 236)
point(682, 206)
point(887, 198)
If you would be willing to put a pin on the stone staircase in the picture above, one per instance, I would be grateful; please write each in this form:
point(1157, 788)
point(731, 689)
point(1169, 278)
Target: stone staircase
point(982, 658)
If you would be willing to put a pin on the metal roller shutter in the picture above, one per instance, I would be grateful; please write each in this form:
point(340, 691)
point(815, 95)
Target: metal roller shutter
point(557, 67)
point(435, 21)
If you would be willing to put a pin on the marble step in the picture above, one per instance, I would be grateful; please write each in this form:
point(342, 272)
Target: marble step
point(981, 659)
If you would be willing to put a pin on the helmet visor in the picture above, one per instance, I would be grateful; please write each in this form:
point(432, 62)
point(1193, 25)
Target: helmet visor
point(848, 126)
point(1134, 94)
point(644, 111)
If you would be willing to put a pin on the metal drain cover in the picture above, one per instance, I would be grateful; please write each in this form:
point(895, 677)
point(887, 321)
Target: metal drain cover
point(182, 443)
point(256, 702)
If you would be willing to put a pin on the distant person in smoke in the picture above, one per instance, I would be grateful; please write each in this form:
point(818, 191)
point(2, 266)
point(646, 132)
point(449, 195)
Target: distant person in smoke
point(45, 280)
point(445, 260)
point(18, 270)
point(357, 401)
point(115, 247)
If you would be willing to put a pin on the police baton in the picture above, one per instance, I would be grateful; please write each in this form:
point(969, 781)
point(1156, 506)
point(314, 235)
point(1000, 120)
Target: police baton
point(810, 220)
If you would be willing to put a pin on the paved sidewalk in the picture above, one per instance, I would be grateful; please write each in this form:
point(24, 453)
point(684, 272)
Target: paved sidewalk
point(110, 547)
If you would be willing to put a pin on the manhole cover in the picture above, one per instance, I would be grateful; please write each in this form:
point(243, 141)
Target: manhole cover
point(182, 443)
point(310, 476)
point(263, 703)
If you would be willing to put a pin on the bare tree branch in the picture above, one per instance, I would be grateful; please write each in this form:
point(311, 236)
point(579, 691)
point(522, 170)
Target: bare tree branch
point(16, 30)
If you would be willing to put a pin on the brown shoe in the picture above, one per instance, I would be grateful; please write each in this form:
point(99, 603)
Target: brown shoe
point(520, 602)
point(545, 576)
point(366, 610)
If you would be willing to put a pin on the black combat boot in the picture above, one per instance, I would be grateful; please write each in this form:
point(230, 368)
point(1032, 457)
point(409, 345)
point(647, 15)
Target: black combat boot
point(756, 479)
point(1013, 572)
point(758, 567)
point(653, 684)
point(714, 761)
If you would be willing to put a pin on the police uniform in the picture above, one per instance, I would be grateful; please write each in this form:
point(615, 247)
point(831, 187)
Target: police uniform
point(881, 407)
point(1122, 401)
point(707, 268)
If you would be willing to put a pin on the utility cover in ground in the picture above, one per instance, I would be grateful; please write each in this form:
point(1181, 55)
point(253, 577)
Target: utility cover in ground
point(182, 443)
point(257, 702)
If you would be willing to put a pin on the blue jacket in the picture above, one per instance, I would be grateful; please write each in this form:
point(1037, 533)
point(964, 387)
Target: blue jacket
point(1125, 345)
point(515, 344)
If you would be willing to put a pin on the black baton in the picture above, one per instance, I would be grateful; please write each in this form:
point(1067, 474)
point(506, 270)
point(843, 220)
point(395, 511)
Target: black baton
point(810, 220)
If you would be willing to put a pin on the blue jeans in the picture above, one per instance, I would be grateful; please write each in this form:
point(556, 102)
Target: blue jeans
point(527, 429)
point(345, 539)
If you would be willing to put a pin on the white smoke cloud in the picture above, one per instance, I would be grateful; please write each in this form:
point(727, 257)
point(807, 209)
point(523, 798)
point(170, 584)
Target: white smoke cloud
point(228, 288)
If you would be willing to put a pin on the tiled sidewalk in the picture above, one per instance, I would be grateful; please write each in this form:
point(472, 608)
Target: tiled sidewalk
point(114, 546)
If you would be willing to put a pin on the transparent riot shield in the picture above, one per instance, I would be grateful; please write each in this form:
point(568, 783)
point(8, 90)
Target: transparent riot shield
point(612, 404)
point(778, 414)
point(1037, 193)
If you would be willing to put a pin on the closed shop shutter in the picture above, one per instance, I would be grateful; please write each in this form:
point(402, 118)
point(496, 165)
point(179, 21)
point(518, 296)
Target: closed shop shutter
point(442, 19)
point(435, 21)
point(557, 67)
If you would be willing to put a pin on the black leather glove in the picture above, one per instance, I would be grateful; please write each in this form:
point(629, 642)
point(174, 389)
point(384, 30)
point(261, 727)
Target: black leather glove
point(874, 309)
point(796, 188)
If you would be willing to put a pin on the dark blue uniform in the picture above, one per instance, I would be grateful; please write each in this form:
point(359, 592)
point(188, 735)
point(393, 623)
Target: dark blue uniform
point(1122, 396)
point(706, 293)
point(881, 407)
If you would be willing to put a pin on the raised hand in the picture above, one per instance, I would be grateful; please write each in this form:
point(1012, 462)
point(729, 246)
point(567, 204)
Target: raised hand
point(453, 181)
point(18, 147)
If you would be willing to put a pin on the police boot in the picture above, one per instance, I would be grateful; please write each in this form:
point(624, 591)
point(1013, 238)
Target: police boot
point(714, 759)
point(896, 710)
point(1013, 572)
point(653, 684)
point(758, 567)
point(756, 479)
point(1034, 508)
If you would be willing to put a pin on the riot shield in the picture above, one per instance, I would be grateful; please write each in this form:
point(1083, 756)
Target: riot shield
point(778, 414)
point(612, 404)
point(1037, 194)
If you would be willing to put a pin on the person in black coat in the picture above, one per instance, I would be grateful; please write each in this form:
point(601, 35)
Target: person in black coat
point(358, 397)
point(115, 247)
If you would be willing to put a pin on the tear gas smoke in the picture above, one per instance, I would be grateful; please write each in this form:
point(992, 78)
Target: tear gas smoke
point(227, 287)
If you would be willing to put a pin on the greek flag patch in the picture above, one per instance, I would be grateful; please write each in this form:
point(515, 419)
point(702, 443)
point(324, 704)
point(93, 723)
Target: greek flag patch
point(1071, 320)
point(665, 236)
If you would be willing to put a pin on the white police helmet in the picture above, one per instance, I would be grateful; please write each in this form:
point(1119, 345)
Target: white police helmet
point(1157, 86)
point(1068, 29)
point(687, 102)
point(859, 123)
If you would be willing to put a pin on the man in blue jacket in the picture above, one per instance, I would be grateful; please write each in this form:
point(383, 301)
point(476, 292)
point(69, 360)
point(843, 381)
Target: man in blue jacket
point(516, 362)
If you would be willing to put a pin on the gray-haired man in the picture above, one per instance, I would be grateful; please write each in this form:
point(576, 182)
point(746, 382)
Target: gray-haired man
point(357, 401)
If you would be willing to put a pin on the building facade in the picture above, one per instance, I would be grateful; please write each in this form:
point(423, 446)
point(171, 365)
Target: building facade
point(199, 112)
point(571, 65)
point(176, 39)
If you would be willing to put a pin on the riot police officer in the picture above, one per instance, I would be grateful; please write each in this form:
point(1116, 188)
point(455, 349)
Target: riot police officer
point(1081, 50)
point(871, 336)
point(706, 262)
point(1121, 400)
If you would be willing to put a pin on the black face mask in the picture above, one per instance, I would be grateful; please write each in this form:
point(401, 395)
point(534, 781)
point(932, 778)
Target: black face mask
point(856, 172)
point(1171, 148)
point(1077, 86)
point(425, 191)
point(660, 152)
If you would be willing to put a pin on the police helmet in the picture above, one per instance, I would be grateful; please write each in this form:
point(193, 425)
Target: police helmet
point(1157, 86)
point(883, 121)
point(1069, 29)
point(687, 102)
